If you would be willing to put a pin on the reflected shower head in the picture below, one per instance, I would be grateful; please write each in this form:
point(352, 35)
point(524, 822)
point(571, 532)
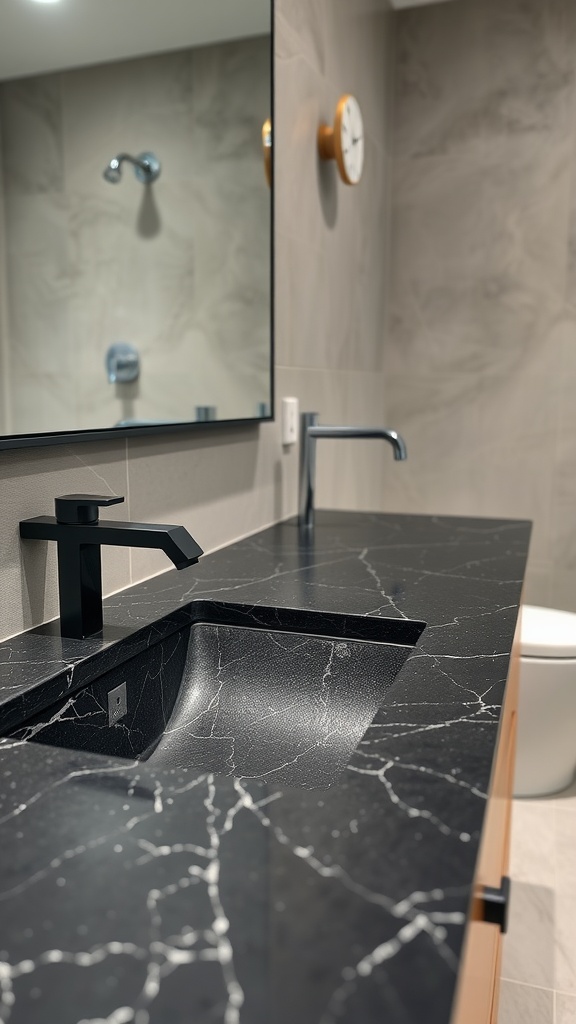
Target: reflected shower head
point(113, 172)
point(147, 168)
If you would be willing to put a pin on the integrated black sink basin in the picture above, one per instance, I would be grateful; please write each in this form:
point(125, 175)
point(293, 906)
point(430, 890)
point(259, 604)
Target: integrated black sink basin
point(277, 704)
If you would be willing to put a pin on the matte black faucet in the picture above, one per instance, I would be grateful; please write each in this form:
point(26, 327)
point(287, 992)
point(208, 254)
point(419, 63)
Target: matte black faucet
point(79, 535)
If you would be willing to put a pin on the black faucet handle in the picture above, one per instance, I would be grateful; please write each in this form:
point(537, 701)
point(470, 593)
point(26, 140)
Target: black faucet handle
point(82, 509)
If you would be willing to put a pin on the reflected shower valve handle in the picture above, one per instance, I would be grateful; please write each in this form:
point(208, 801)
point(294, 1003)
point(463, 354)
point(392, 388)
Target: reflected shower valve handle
point(122, 363)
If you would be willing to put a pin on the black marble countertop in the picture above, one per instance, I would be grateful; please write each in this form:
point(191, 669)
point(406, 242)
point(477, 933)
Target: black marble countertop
point(137, 896)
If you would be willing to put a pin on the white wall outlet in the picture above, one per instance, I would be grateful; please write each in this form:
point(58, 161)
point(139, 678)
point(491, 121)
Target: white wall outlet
point(290, 414)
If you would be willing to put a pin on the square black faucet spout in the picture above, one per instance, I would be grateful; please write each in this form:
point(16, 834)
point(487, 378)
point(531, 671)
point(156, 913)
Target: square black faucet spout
point(80, 536)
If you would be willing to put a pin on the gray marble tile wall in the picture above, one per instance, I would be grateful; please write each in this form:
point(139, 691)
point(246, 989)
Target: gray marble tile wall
point(481, 356)
point(332, 241)
point(330, 310)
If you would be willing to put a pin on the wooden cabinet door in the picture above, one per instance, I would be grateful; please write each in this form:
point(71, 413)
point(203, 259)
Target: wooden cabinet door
point(479, 981)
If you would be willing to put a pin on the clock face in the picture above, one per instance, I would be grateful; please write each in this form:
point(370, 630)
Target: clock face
point(350, 128)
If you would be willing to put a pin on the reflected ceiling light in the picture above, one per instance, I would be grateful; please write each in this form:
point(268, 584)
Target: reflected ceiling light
point(47, 1)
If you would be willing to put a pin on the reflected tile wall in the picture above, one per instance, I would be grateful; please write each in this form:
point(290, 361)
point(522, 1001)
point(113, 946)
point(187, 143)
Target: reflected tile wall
point(32, 134)
point(481, 358)
point(226, 484)
point(172, 269)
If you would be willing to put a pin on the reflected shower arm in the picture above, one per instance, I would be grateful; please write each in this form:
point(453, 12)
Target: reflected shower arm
point(146, 166)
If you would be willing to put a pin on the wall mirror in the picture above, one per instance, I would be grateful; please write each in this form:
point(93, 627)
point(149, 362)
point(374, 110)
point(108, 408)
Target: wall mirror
point(135, 216)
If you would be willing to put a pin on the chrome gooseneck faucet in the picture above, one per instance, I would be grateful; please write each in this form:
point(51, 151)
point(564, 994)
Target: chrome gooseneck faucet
point(79, 535)
point(311, 431)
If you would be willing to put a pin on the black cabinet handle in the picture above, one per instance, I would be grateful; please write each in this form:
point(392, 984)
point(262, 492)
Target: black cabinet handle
point(497, 904)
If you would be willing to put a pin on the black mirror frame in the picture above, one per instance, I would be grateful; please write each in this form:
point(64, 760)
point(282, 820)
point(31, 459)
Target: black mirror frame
point(12, 441)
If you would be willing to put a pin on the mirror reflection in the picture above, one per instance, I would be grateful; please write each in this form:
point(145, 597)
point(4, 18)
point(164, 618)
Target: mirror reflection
point(134, 213)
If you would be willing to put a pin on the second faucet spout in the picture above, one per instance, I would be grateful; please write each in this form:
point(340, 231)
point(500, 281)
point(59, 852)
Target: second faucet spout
point(311, 431)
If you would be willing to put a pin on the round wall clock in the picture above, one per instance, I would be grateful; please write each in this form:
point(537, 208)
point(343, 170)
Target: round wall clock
point(344, 143)
point(267, 150)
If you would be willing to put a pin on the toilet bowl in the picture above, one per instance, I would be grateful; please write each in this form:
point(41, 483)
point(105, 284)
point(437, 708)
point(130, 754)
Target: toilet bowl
point(546, 743)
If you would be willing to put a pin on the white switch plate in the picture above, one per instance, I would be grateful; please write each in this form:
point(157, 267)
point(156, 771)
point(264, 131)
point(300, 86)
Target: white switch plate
point(290, 412)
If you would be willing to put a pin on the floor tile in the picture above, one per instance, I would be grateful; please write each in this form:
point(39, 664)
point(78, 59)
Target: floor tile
point(565, 843)
point(528, 949)
point(565, 1009)
point(533, 843)
point(522, 1004)
point(565, 942)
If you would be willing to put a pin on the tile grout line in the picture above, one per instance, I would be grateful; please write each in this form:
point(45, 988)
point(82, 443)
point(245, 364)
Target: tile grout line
point(527, 984)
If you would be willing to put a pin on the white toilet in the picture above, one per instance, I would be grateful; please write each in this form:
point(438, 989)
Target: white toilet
point(546, 748)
